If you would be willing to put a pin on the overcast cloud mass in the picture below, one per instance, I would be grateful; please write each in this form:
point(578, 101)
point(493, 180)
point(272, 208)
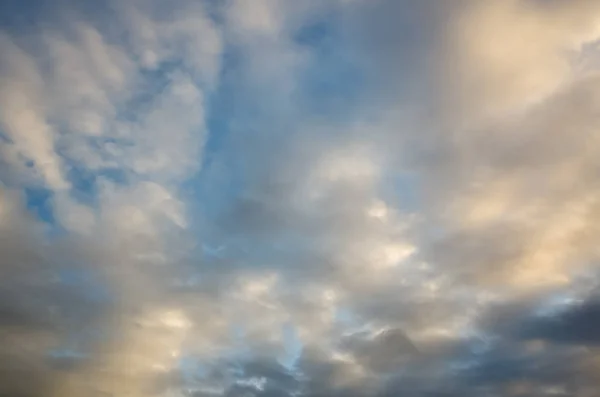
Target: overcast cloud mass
point(284, 198)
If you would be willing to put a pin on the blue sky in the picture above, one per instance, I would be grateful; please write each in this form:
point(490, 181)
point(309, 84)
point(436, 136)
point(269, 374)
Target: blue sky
point(282, 198)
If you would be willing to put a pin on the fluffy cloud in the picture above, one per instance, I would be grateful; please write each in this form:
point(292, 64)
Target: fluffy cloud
point(264, 198)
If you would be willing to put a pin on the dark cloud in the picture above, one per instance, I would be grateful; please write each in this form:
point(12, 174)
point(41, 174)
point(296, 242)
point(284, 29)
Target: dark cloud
point(383, 352)
point(577, 324)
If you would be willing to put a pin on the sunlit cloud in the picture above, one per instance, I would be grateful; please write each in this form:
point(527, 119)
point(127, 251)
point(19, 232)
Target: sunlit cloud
point(279, 198)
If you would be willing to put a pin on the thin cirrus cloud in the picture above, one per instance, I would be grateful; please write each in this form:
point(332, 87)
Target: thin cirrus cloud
point(278, 198)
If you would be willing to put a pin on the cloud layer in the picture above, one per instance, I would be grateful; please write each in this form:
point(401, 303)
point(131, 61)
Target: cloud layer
point(317, 198)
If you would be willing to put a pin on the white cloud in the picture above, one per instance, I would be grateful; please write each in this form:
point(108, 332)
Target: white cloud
point(112, 125)
point(24, 118)
point(494, 69)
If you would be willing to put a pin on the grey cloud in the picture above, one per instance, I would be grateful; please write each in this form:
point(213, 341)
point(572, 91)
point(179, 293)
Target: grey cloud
point(270, 379)
point(306, 232)
point(576, 324)
point(495, 201)
point(383, 352)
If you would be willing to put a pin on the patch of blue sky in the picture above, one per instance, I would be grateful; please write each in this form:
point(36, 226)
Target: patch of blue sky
point(38, 201)
point(233, 107)
point(84, 181)
point(329, 88)
point(219, 180)
point(39, 198)
point(224, 104)
point(210, 194)
point(333, 83)
point(82, 178)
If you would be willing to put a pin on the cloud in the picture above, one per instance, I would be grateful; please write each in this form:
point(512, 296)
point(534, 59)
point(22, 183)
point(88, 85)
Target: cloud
point(573, 325)
point(501, 69)
point(210, 198)
point(24, 121)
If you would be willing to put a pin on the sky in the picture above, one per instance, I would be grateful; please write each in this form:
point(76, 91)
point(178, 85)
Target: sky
point(280, 198)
